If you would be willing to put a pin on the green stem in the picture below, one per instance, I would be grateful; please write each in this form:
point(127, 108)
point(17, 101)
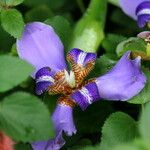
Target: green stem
point(81, 5)
point(142, 107)
point(148, 49)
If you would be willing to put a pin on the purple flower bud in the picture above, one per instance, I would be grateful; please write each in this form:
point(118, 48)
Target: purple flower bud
point(137, 9)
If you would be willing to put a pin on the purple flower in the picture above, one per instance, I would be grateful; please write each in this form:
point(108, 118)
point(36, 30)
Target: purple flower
point(41, 47)
point(121, 83)
point(137, 9)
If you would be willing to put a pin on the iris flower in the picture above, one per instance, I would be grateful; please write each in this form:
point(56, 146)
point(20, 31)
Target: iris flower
point(138, 10)
point(41, 47)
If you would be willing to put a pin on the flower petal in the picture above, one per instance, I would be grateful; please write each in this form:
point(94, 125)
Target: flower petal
point(44, 79)
point(86, 95)
point(63, 119)
point(80, 57)
point(124, 81)
point(6, 143)
point(40, 46)
point(53, 144)
point(143, 13)
point(82, 63)
point(144, 35)
point(129, 7)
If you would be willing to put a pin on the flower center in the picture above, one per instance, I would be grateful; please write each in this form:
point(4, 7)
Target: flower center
point(66, 82)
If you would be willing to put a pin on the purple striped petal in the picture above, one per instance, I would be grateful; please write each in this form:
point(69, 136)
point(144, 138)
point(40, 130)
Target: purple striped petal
point(53, 144)
point(143, 13)
point(44, 79)
point(124, 81)
point(80, 57)
point(63, 119)
point(86, 95)
point(129, 7)
point(40, 46)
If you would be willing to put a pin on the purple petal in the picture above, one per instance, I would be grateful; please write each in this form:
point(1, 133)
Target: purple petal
point(86, 95)
point(143, 13)
point(124, 81)
point(144, 35)
point(44, 79)
point(63, 119)
point(129, 7)
point(40, 46)
point(80, 57)
point(53, 144)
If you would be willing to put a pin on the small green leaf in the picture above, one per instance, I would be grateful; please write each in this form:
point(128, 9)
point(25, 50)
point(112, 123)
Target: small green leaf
point(24, 118)
point(111, 41)
point(119, 128)
point(10, 2)
point(88, 32)
point(144, 125)
point(133, 44)
point(144, 95)
point(13, 71)
point(90, 120)
point(62, 28)
point(102, 66)
point(39, 13)
point(12, 22)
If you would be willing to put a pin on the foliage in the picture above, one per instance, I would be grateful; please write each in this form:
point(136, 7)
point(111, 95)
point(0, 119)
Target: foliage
point(92, 25)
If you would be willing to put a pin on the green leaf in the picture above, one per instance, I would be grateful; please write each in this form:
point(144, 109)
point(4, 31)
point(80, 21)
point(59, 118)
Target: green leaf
point(102, 66)
point(24, 118)
point(144, 125)
point(144, 95)
point(12, 22)
point(119, 128)
point(22, 146)
point(92, 119)
point(10, 2)
point(133, 44)
point(111, 41)
point(62, 28)
point(128, 25)
point(13, 71)
point(88, 32)
point(39, 13)
point(4, 38)
point(127, 147)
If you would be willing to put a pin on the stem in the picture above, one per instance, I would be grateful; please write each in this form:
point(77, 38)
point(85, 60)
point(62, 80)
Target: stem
point(148, 49)
point(81, 5)
point(142, 107)
point(148, 25)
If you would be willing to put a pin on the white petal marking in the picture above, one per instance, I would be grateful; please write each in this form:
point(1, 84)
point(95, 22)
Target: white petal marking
point(144, 12)
point(86, 94)
point(45, 78)
point(81, 58)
